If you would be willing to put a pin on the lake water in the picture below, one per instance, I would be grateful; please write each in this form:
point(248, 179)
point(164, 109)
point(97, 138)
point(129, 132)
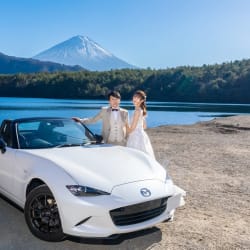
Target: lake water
point(159, 113)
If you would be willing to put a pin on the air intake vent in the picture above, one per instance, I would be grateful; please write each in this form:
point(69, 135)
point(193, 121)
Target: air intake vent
point(129, 215)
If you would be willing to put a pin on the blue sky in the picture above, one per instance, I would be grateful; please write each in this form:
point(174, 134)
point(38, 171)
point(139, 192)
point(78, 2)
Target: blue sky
point(146, 33)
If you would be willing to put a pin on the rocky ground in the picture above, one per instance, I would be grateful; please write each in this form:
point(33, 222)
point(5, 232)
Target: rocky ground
point(211, 161)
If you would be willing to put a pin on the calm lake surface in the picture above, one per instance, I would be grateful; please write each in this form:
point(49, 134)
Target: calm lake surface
point(159, 113)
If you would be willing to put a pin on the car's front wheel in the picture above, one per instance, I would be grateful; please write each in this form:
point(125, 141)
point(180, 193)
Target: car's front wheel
point(42, 215)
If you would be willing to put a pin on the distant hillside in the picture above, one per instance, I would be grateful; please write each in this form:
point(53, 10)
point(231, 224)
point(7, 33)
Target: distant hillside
point(220, 83)
point(83, 51)
point(13, 65)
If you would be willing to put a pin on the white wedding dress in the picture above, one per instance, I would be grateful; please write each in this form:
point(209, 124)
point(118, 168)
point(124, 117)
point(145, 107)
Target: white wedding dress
point(138, 138)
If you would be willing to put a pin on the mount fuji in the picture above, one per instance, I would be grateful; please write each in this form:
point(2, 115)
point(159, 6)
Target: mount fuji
point(81, 50)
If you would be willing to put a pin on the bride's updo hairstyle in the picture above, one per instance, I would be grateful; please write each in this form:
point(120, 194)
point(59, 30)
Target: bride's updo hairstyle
point(141, 94)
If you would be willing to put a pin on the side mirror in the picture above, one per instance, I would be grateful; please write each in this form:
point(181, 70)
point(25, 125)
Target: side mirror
point(98, 138)
point(2, 146)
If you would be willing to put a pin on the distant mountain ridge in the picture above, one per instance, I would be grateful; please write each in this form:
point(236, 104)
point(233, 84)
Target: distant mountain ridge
point(83, 51)
point(13, 65)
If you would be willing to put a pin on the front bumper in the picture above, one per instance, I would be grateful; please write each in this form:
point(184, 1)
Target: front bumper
point(91, 216)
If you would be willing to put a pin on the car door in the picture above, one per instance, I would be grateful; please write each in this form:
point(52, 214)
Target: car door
point(7, 158)
point(7, 162)
point(13, 170)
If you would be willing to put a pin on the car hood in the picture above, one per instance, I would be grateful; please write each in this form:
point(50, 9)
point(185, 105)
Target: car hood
point(104, 166)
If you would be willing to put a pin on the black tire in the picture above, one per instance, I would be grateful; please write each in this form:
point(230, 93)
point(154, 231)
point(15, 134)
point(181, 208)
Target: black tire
point(42, 215)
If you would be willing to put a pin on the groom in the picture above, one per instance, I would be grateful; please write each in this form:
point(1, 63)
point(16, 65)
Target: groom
point(114, 120)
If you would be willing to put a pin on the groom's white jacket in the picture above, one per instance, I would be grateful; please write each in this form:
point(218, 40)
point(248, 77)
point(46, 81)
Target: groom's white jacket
point(104, 115)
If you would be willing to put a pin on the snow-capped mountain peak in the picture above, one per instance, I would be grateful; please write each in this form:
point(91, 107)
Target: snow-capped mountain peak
point(84, 46)
point(83, 51)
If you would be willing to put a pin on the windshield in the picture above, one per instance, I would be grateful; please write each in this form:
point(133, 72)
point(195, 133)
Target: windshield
point(46, 133)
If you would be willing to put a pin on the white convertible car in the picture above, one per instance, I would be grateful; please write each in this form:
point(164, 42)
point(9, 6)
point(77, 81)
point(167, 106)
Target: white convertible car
point(69, 183)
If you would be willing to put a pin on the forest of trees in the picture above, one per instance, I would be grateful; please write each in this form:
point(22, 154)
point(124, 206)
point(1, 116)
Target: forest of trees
point(221, 83)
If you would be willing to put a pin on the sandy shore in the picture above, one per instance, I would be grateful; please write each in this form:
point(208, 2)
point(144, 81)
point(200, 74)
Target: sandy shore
point(211, 161)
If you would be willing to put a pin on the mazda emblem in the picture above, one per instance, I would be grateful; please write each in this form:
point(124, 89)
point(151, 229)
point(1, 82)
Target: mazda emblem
point(145, 192)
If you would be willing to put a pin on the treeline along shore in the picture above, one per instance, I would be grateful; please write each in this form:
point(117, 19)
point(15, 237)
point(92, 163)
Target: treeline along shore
point(221, 83)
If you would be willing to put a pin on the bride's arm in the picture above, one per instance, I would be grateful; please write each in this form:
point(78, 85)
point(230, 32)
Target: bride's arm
point(134, 121)
point(144, 122)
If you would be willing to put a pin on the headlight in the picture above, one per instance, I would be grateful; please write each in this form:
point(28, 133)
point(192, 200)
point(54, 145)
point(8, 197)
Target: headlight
point(85, 191)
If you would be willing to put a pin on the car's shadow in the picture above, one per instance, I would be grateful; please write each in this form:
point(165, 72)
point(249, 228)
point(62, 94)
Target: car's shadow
point(14, 229)
point(11, 203)
point(118, 239)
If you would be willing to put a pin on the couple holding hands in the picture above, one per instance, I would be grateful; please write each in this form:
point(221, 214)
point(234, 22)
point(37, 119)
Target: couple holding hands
point(116, 128)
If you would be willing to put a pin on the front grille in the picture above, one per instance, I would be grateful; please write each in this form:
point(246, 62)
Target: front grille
point(137, 213)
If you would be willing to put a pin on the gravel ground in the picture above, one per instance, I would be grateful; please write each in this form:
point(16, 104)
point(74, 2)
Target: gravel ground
point(211, 161)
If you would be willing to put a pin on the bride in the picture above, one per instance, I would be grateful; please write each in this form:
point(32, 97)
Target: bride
point(137, 137)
